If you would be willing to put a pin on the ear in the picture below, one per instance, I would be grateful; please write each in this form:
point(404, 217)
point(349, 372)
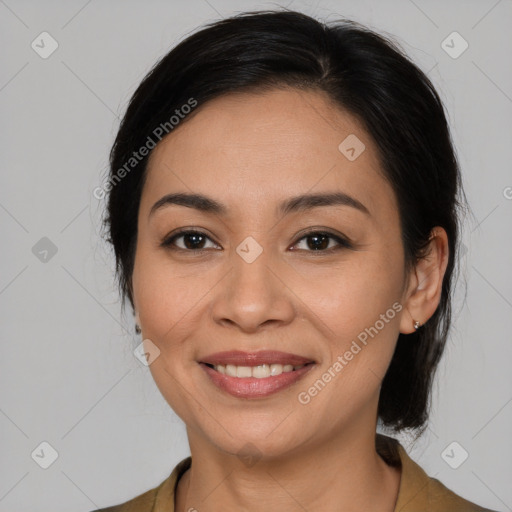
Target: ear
point(425, 282)
point(138, 328)
point(136, 315)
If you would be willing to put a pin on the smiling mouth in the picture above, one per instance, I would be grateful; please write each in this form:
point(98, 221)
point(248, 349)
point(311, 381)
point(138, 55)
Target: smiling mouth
point(262, 371)
point(255, 382)
point(254, 374)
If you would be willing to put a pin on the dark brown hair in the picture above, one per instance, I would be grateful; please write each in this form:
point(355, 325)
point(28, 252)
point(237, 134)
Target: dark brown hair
point(364, 73)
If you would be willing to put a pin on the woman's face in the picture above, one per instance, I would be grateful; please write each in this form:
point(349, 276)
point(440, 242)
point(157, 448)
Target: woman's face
point(322, 280)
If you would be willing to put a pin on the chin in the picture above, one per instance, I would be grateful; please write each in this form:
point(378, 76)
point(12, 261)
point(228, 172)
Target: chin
point(262, 440)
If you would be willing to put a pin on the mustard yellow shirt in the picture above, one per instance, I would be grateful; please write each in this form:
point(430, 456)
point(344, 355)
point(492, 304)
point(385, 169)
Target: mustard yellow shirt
point(417, 492)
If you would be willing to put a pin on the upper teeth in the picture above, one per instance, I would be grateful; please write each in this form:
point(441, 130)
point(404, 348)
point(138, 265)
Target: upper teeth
point(260, 372)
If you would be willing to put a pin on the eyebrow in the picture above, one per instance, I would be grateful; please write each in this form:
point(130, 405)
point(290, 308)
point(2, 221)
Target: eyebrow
point(295, 204)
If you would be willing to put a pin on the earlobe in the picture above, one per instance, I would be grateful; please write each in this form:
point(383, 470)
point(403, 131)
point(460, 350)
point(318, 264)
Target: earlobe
point(137, 323)
point(426, 283)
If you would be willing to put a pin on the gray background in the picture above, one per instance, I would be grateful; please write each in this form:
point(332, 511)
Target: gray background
point(68, 375)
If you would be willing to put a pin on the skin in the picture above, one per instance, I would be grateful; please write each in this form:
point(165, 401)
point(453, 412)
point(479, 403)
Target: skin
point(250, 152)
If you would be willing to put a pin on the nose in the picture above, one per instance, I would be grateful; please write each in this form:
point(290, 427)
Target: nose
point(254, 296)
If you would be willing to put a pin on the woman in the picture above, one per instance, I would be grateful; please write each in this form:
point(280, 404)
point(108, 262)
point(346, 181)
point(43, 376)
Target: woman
point(284, 209)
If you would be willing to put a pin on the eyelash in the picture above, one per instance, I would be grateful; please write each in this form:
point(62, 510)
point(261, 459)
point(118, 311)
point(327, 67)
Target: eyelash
point(343, 243)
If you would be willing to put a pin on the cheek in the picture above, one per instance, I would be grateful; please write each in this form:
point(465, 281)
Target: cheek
point(350, 296)
point(168, 298)
point(357, 307)
point(362, 319)
point(165, 293)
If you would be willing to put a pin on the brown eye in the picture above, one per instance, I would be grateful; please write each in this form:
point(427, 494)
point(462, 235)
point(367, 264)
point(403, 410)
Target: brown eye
point(320, 241)
point(315, 241)
point(191, 241)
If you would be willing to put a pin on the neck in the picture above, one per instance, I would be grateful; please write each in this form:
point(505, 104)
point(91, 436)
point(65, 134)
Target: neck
point(346, 471)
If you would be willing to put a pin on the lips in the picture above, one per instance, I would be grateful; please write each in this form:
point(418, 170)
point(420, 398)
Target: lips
point(255, 374)
point(240, 358)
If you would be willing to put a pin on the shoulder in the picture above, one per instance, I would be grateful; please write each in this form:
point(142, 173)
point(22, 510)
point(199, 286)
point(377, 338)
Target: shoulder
point(142, 503)
point(419, 492)
point(440, 498)
point(160, 498)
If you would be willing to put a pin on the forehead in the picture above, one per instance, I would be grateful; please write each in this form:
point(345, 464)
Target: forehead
point(261, 148)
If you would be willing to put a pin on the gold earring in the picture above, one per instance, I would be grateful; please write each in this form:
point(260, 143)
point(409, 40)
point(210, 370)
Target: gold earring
point(416, 325)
